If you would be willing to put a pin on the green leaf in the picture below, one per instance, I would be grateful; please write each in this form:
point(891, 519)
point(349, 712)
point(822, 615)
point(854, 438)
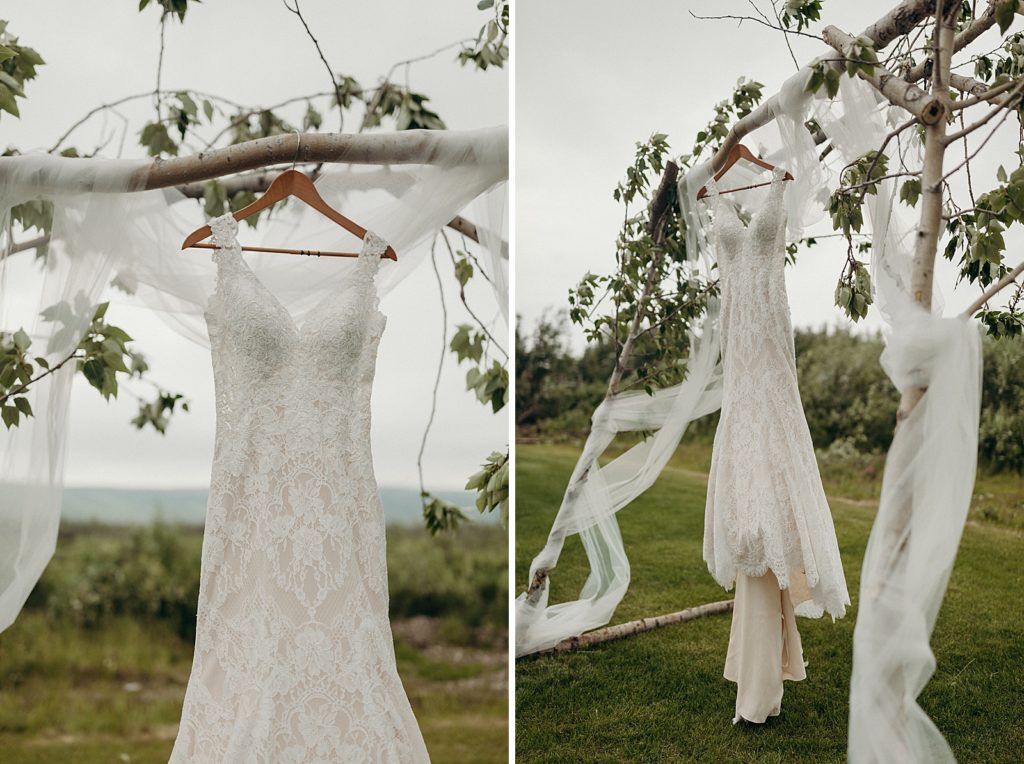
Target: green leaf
point(831, 82)
point(1004, 13)
point(208, 110)
point(23, 406)
point(22, 340)
point(7, 102)
point(187, 104)
point(910, 192)
point(11, 83)
point(6, 53)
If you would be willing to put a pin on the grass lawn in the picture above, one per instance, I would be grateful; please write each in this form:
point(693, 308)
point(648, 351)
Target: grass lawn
point(661, 697)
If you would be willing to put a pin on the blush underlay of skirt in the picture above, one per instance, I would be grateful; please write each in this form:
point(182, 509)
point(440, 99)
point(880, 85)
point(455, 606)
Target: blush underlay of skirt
point(764, 644)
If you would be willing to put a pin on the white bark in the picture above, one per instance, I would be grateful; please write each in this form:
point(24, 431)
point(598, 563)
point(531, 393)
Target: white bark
point(930, 224)
point(893, 24)
point(611, 633)
point(406, 147)
point(926, 107)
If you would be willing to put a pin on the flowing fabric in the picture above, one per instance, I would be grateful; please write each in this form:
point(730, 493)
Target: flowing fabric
point(929, 470)
point(106, 231)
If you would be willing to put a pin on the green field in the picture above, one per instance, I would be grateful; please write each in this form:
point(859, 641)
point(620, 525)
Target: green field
point(660, 696)
point(109, 687)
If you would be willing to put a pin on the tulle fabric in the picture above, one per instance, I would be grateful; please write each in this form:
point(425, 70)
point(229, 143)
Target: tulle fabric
point(596, 493)
point(929, 470)
point(107, 231)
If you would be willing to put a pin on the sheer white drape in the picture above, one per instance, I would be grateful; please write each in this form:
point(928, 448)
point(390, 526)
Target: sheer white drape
point(596, 492)
point(104, 229)
point(929, 470)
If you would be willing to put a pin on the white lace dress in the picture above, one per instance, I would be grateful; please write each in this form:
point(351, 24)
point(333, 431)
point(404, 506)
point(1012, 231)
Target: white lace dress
point(766, 508)
point(294, 660)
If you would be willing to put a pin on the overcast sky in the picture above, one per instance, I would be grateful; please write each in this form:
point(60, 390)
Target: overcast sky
point(592, 80)
point(257, 53)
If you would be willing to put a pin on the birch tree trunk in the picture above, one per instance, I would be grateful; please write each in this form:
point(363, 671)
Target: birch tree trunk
point(930, 224)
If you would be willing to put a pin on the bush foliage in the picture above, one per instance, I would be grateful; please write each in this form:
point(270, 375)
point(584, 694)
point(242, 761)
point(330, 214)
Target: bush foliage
point(152, 573)
point(849, 402)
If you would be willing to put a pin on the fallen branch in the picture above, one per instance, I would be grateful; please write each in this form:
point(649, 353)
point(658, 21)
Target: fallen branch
point(622, 630)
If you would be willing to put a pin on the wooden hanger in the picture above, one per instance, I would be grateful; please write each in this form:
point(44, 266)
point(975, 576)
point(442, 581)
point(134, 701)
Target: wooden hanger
point(289, 183)
point(736, 153)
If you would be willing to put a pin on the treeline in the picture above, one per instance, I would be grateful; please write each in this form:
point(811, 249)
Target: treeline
point(849, 402)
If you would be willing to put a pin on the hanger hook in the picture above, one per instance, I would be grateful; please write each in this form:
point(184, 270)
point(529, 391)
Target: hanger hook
point(298, 147)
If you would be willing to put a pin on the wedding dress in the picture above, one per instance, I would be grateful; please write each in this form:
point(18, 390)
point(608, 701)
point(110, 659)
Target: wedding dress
point(294, 661)
point(767, 521)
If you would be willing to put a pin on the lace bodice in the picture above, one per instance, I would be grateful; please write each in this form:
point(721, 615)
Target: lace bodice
point(766, 508)
point(294, 659)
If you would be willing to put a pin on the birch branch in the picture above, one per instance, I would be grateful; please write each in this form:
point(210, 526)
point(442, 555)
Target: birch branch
point(970, 86)
point(974, 30)
point(899, 21)
point(926, 107)
point(611, 633)
point(258, 182)
point(656, 228)
point(993, 290)
point(1011, 99)
point(930, 223)
point(660, 209)
point(406, 147)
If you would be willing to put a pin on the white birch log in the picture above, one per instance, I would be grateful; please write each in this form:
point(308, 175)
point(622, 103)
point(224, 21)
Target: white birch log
point(622, 630)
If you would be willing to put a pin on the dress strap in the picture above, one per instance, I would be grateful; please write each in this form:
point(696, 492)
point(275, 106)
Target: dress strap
point(369, 256)
point(712, 187)
point(225, 233)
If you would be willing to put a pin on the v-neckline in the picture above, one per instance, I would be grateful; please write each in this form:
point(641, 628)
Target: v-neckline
point(776, 183)
point(297, 328)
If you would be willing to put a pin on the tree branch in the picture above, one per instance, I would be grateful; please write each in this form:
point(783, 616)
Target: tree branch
point(926, 107)
point(656, 229)
point(930, 224)
point(974, 30)
point(899, 21)
point(405, 147)
point(1011, 98)
point(330, 72)
point(610, 633)
point(756, 20)
point(993, 290)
